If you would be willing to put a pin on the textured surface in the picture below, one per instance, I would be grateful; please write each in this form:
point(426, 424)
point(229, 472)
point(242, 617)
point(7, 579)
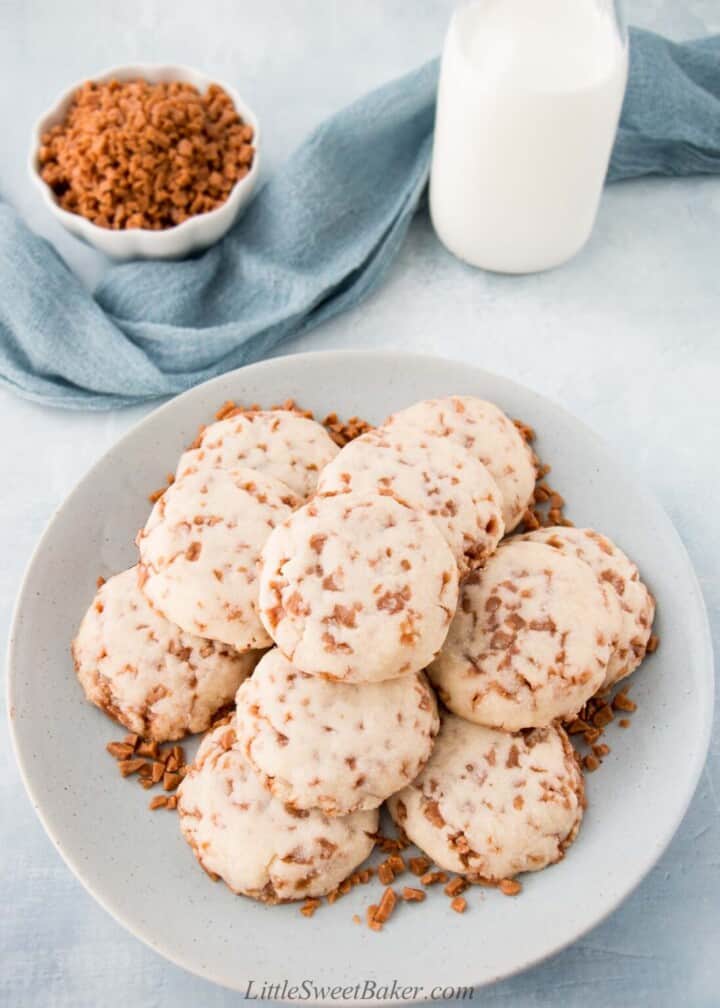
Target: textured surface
point(148, 674)
point(334, 746)
point(629, 343)
point(357, 588)
point(492, 804)
point(242, 833)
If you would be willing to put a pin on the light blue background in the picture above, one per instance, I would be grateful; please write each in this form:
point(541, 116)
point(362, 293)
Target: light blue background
point(625, 336)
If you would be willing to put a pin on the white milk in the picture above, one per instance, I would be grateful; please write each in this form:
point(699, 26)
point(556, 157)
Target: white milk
point(528, 105)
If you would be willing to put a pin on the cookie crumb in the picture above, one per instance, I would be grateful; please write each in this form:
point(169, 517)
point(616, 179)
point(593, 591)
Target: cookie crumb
point(309, 907)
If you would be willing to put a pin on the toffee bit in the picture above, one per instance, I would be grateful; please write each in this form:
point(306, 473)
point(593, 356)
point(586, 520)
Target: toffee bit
point(419, 865)
point(119, 750)
point(459, 904)
point(130, 766)
point(309, 907)
point(591, 762)
point(385, 873)
point(159, 801)
point(411, 895)
point(386, 906)
point(622, 702)
point(510, 887)
point(373, 924)
point(434, 878)
point(456, 886)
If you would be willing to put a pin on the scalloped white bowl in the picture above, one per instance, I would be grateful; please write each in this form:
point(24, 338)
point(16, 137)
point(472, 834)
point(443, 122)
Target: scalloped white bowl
point(192, 235)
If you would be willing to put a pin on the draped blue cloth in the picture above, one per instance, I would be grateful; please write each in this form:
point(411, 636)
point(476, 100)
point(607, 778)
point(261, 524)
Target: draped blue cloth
point(317, 238)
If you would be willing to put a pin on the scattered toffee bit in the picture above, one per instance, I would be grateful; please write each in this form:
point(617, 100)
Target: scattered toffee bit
point(309, 907)
point(136, 154)
point(624, 722)
point(510, 887)
point(411, 895)
point(152, 765)
point(419, 865)
point(547, 505)
point(459, 904)
point(434, 878)
point(456, 886)
point(357, 919)
point(392, 845)
point(370, 918)
point(622, 702)
point(379, 914)
point(385, 873)
point(590, 762)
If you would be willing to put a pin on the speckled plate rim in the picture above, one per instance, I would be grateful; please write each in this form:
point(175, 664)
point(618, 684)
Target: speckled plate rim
point(417, 371)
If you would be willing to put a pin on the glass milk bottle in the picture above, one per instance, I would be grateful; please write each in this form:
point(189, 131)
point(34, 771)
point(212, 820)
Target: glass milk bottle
point(528, 105)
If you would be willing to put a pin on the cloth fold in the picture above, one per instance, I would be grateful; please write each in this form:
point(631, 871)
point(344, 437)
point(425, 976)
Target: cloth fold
point(317, 238)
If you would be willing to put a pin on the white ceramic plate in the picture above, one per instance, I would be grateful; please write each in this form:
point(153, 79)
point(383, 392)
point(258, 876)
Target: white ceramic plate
point(135, 863)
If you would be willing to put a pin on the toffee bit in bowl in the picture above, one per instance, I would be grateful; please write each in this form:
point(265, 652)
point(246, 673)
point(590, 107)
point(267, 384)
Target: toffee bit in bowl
point(135, 154)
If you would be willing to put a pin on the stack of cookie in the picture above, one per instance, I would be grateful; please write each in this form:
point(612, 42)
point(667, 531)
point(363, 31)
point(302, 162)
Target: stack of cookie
point(363, 569)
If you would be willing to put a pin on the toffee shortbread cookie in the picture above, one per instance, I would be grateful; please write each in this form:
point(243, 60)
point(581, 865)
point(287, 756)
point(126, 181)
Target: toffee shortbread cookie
point(490, 804)
point(530, 641)
point(358, 588)
point(260, 848)
point(621, 578)
point(290, 447)
point(200, 548)
point(338, 747)
point(432, 474)
point(145, 672)
point(489, 435)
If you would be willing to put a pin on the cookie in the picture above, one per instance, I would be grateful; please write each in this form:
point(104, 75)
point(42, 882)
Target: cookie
point(621, 578)
point(338, 747)
point(530, 641)
point(148, 674)
point(489, 435)
point(358, 588)
point(260, 848)
point(490, 804)
point(433, 474)
point(280, 443)
point(200, 548)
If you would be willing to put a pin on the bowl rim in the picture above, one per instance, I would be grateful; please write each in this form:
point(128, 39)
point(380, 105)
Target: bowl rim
point(153, 73)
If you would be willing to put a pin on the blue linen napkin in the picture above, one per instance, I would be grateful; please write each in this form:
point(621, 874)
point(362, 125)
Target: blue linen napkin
point(317, 238)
